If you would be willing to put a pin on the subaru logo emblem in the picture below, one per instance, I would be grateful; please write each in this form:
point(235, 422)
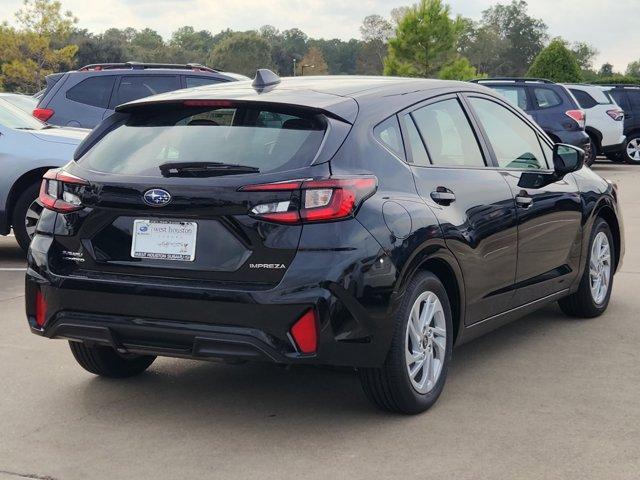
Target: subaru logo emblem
point(156, 197)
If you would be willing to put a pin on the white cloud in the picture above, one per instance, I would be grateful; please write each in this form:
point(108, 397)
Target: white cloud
point(608, 25)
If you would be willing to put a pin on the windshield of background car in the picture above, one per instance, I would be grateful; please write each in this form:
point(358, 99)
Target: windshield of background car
point(268, 138)
point(12, 117)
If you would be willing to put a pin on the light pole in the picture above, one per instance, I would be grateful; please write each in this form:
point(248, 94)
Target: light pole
point(294, 67)
point(306, 66)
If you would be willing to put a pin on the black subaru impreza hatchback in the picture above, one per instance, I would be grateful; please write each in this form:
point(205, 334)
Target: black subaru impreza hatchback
point(364, 222)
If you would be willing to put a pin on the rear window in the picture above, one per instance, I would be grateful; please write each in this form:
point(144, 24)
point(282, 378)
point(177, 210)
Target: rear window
point(546, 98)
point(261, 137)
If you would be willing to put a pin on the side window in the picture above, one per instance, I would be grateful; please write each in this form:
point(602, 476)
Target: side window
point(515, 95)
point(546, 98)
point(418, 152)
point(620, 98)
point(388, 133)
point(133, 87)
point(94, 91)
point(634, 99)
point(200, 81)
point(584, 99)
point(447, 134)
point(515, 143)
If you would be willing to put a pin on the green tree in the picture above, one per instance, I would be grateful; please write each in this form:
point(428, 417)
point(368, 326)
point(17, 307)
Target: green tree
point(242, 53)
point(425, 41)
point(557, 63)
point(191, 45)
point(459, 69)
point(27, 53)
point(584, 53)
point(505, 41)
point(633, 69)
point(316, 62)
point(606, 70)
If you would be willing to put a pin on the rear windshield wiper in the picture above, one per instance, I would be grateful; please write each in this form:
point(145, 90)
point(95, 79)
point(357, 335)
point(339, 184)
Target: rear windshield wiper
point(204, 169)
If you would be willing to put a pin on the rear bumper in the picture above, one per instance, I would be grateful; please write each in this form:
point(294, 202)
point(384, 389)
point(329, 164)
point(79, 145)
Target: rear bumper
point(578, 138)
point(351, 290)
point(616, 148)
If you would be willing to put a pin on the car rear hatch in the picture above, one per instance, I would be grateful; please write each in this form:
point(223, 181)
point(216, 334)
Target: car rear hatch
point(165, 195)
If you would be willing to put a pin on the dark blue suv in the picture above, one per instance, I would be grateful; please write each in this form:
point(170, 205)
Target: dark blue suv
point(84, 97)
point(550, 105)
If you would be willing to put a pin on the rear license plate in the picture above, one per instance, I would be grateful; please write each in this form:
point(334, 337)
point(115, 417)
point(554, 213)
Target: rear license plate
point(164, 240)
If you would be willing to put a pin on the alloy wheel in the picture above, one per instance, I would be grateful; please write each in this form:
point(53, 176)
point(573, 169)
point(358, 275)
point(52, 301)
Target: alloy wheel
point(425, 342)
point(32, 216)
point(633, 149)
point(600, 268)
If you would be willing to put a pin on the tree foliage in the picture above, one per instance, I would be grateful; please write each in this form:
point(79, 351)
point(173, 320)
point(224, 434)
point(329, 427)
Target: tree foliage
point(242, 53)
point(315, 61)
point(556, 62)
point(459, 69)
point(28, 53)
point(425, 41)
point(633, 69)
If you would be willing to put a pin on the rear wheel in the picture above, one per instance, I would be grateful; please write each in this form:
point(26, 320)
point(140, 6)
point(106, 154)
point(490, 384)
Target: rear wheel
point(632, 149)
point(26, 214)
point(592, 153)
point(594, 292)
point(106, 362)
point(414, 373)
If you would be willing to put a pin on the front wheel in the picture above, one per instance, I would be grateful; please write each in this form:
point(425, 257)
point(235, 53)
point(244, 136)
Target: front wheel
point(594, 292)
point(413, 375)
point(26, 214)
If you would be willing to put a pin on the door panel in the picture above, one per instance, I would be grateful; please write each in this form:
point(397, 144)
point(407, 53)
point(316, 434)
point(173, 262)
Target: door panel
point(473, 203)
point(549, 218)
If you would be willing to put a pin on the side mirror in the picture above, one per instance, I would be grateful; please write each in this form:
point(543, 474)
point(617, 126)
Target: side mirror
point(567, 159)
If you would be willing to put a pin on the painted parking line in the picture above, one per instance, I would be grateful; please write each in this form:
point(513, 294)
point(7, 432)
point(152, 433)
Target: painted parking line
point(12, 269)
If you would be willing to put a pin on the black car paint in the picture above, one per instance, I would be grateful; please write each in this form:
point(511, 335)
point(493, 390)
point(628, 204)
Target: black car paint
point(353, 272)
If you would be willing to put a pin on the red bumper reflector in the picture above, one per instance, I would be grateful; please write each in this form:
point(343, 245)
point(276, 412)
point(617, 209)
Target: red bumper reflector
point(304, 332)
point(41, 309)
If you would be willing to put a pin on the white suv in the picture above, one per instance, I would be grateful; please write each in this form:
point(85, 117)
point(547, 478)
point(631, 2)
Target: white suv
point(604, 119)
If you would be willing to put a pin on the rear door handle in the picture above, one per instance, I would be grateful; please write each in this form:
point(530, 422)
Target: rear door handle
point(524, 200)
point(443, 196)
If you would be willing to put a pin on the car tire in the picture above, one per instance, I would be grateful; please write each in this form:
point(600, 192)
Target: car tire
point(106, 362)
point(391, 387)
point(631, 153)
point(590, 159)
point(23, 227)
point(585, 302)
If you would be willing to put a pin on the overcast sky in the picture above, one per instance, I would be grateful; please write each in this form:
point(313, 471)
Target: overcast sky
point(609, 25)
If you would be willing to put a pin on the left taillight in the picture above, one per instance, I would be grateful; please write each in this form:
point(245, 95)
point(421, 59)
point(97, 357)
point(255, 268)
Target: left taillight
point(60, 191)
point(578, 115)
point(321, 200)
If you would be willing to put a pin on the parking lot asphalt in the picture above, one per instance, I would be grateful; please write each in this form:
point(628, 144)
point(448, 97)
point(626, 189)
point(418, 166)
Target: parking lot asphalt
point(546, 397)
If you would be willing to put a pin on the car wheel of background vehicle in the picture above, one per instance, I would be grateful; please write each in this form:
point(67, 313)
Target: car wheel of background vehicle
point(591, 155)
point(26, 213)
point(414, 373)
point(594, 292)
point(632, 150)
point(106, 362)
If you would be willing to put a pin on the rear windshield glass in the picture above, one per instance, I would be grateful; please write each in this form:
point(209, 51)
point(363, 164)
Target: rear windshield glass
point(269, 139)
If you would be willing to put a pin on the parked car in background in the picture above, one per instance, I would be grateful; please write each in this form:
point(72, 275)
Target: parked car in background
point(604, 119)
point(628, 98)
point(26, 103)
point(84, 97)
point(550, 105)
point(369, 222)
point(28, 148)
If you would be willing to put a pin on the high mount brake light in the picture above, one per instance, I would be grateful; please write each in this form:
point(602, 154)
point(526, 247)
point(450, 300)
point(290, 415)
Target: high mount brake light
point(58, 191)
point(577, 115)
point(43, 114)
point(207, 103)
point(321, 200)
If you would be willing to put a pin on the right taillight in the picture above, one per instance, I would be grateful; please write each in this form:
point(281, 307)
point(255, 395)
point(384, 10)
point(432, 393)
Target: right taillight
point(41, 309)
point(60, 191)
point(616, 114)
point(43, 114)
point(578, 115)
point(321, 200)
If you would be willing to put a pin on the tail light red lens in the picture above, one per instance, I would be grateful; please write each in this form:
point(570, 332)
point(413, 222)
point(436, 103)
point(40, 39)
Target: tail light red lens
point(578, 115)
point(59, 191)
point(305, 332)
point(41, 309)
point(616, 114)
point(321, 200)
point(43, 114)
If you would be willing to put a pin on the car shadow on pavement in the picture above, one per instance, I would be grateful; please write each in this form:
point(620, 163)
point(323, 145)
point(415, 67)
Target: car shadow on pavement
point(191, 393)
